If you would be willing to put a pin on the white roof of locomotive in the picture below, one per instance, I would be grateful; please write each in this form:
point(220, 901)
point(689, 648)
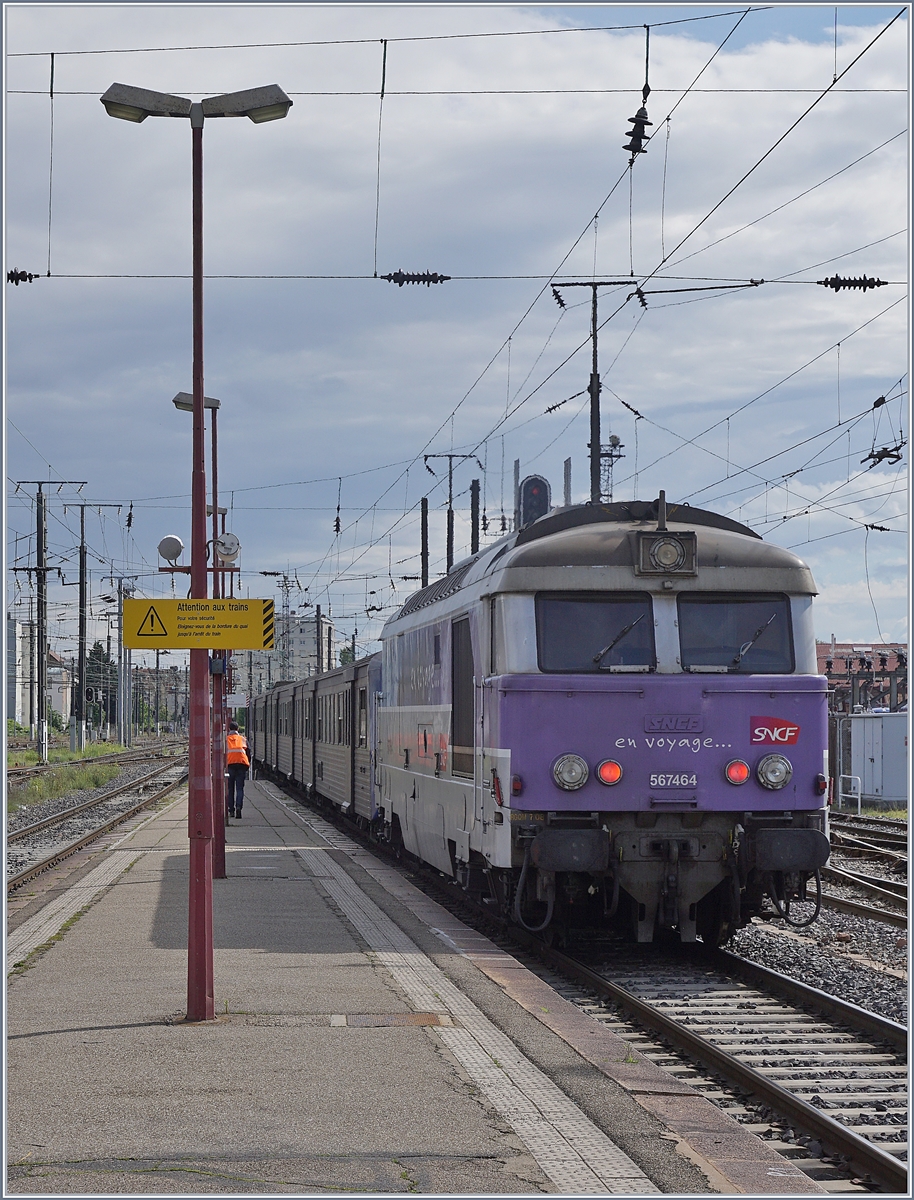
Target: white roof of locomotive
point(593, 548)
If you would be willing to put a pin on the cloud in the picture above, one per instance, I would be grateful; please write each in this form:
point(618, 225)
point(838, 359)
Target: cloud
point(328, 378)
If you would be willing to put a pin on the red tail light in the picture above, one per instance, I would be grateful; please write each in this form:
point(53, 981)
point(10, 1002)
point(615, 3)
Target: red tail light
point(737, 772)
point(517, 785)
point(821, 785)
point(609, 772)
point(496, 789)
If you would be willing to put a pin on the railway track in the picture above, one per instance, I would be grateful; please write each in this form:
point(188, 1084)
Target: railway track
point(17, 775)
point(25, 831)
point(56, 838)
point(805, 1064)
point(890, 824)
point(822, 1080)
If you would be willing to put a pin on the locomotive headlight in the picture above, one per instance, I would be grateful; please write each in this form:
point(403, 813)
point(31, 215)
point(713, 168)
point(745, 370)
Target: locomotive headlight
point(570, 772)
point(667, 554)
point(774, 772)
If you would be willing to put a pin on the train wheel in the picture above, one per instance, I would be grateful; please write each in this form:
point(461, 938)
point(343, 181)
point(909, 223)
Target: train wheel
point(714, 918)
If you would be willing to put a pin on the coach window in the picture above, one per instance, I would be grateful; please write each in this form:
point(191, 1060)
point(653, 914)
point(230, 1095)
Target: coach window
point(734, 632)
point(363, 717)
point(586, 633)
point(461, 698)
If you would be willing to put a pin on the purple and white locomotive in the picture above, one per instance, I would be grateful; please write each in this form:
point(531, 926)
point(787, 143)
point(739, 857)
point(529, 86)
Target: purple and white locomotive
point(613, 717)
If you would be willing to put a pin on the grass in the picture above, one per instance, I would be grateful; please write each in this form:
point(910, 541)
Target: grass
point(50, 784)
point(28, 757)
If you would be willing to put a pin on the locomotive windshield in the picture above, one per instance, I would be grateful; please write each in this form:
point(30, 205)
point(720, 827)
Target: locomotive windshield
point(746, 634)
point(592, 633)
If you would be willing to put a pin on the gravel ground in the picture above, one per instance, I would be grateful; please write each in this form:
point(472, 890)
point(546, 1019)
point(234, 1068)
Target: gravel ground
point(831, 967)
point(868, 866)
point(39, 845)
point(30, 813)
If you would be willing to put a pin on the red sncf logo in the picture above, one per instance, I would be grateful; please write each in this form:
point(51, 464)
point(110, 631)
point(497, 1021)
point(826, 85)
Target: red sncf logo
point(774, 732)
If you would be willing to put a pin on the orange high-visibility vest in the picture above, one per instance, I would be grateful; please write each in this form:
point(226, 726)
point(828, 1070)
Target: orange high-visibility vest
point(234, 752)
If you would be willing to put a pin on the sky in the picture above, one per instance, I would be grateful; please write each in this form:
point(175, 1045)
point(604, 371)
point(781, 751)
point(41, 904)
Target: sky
point(498, 161)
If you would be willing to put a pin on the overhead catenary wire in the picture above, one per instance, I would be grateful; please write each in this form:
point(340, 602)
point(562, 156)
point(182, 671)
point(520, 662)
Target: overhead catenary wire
point(724, 91)
point(413, 459)
point(779, 383)
point(783, 136)
point(432, 37)
point(527, 312)
point(793, 199)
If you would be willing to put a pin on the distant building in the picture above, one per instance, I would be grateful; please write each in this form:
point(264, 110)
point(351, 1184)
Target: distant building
point(60, 683)
point(255, 671)
point(19, 652)
point(864, 676)
point(22, 676)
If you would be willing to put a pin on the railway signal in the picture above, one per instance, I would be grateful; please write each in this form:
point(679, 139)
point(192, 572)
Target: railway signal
point(535, 499)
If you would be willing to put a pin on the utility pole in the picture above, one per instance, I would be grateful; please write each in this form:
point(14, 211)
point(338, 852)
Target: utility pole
point(41, 569)
point(33, 715)
point(123, 714)
point(424, 552)
point(450, 496)
point(83, 613)
point(285, 653)
point(594, 388)
point(42, 582)
point(598, 452)
point(83, 601)
point(474, 516)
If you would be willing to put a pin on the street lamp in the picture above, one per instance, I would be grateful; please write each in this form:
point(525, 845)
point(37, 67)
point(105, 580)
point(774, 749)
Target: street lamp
point(259, 104)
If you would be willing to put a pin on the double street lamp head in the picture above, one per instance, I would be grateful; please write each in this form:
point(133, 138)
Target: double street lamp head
point(261, 104)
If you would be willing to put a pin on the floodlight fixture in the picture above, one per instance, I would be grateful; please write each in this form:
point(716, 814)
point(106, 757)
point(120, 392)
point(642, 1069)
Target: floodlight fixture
point(136, 104)
point(269, 103)
point(185, 401)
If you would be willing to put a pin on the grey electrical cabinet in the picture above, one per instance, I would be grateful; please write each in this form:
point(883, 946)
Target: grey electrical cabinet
point(879, 757)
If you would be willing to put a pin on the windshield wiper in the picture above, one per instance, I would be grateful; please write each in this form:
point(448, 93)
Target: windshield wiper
point(598, 658)
point(747, 646)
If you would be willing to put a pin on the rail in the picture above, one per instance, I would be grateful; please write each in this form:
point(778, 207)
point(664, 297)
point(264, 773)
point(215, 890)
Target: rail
point(866, 1156)
point(24, 831)
point(30, 872)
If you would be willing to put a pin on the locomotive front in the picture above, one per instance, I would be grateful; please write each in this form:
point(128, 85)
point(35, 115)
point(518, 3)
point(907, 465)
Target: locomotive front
point(653, 676)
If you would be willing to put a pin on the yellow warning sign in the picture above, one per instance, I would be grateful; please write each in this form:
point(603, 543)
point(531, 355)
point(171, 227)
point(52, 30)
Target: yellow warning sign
point(198, 624)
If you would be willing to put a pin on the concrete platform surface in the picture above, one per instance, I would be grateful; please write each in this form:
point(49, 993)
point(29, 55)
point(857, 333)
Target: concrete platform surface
point(366, 1041)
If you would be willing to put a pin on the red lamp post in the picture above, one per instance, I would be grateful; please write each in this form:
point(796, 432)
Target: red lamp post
point(259, 104)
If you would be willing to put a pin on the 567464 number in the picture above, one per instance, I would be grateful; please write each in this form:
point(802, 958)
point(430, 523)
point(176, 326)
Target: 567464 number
point(674, 781)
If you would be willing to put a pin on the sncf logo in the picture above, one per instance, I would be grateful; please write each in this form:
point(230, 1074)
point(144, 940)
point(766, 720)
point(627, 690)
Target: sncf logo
point(773, 731)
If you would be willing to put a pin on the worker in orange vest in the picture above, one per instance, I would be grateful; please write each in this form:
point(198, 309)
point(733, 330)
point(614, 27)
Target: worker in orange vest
point(237, 763)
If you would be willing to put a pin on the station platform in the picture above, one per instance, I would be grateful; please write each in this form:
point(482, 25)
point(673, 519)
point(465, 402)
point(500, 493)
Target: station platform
point(366, 1041)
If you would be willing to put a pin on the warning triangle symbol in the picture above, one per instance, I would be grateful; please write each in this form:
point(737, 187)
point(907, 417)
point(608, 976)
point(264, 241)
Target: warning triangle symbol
point(151, 625)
